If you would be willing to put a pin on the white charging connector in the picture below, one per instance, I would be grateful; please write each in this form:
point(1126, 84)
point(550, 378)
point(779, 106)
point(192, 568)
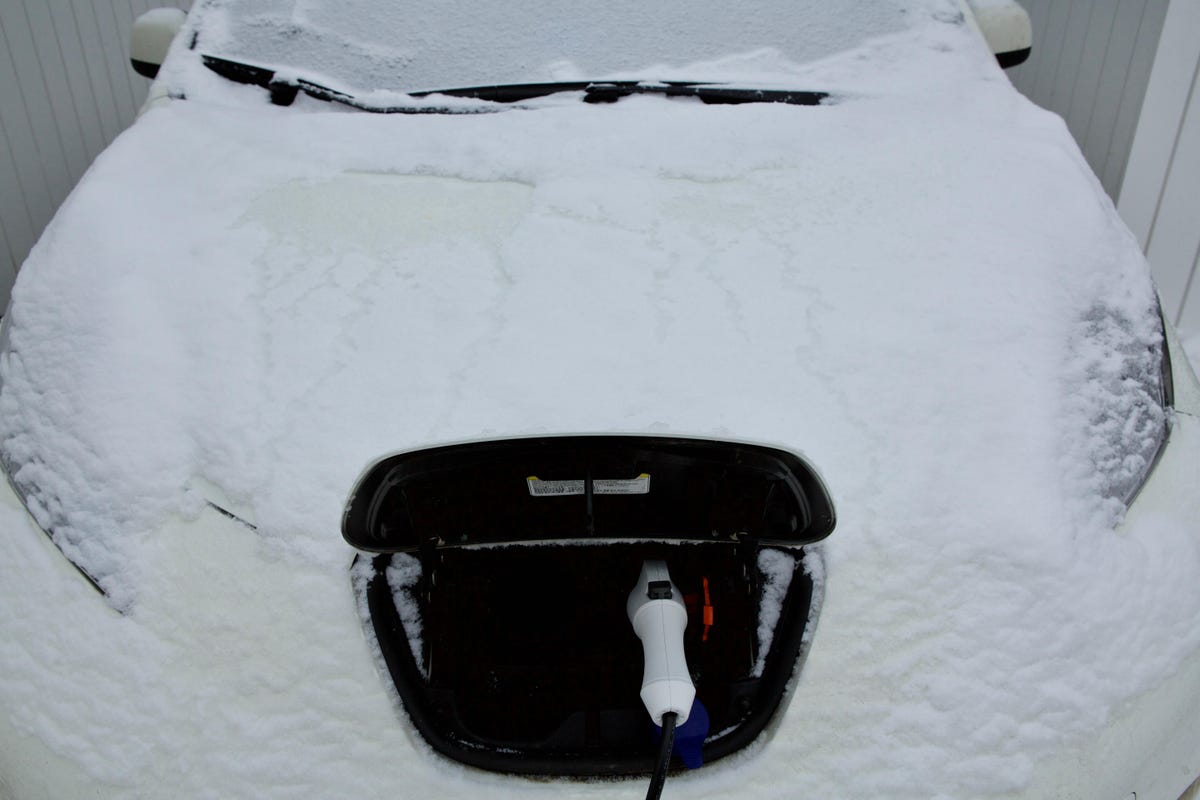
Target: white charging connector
point(659, 617)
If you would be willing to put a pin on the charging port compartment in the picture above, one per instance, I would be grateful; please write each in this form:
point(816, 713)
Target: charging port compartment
point(499, 603)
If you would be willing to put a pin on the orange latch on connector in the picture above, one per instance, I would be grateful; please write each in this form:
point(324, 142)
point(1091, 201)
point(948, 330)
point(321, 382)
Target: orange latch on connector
point(708, 612)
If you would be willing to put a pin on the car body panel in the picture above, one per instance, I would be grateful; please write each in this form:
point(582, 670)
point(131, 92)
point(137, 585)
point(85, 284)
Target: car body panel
point(245, 306)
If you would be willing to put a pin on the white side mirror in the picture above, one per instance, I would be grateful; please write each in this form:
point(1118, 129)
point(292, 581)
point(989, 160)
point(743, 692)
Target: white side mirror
point(1006, 27)
point(153, 33)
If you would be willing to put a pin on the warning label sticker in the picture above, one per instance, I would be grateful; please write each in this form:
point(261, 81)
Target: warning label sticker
point(541, 488)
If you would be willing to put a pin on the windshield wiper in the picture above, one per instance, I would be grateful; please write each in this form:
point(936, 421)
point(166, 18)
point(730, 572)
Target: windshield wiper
point(612, 91)
point(284, 91)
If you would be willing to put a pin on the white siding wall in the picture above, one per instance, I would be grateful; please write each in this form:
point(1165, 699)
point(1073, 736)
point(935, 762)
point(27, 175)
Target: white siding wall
point(66, 90)
point(1091, 62)
point(1160, 199)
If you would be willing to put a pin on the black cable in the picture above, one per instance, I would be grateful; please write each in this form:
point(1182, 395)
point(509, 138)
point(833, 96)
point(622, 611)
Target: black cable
point(664, 756)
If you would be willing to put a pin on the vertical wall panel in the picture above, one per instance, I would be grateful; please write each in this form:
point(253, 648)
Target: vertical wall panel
point(1097, 39)
point(1070, 45)
point(1138, 78)
point(91, 55)
point(57, 89)
point(17, 123)
point(14, 211)
point(66, 90)
point(1112, 80)
point(6, 273)
point(1189, 315)
point(1166, 105)
point(83, 98)
point(1047, 44)
point(1159, 198)
point(111, 47)
point(1174, 237)
point(43, 126)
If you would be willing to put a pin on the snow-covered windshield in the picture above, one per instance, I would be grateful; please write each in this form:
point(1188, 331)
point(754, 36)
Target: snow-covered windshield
point(368, 45)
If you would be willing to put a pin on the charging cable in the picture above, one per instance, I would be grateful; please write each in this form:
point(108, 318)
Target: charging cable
point(664, 757)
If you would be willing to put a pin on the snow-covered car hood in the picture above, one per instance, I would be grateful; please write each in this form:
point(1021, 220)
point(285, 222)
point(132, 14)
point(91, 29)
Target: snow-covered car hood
point(897, 285)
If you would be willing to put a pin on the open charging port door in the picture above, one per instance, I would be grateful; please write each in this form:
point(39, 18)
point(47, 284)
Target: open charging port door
point(498, 592)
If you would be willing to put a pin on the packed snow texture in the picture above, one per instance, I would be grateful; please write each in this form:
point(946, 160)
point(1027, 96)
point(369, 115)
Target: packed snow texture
point(776, 568)
point(899, 285)
point(1115, 362)
point(403, 575)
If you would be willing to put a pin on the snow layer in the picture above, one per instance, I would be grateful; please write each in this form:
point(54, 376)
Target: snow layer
point(433, 44)
point(893, 285)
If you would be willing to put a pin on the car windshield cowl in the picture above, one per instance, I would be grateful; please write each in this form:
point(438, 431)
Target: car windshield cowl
point(284, 88)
